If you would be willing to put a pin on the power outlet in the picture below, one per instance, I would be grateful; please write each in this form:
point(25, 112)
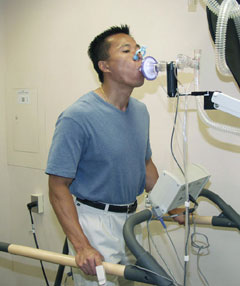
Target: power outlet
point(39, 199)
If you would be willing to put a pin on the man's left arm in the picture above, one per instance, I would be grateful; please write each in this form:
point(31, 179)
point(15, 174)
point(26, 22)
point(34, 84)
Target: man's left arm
point(151, 175)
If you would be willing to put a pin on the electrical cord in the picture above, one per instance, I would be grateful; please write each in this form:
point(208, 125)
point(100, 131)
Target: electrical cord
point(174, 248)
point(155, 273)
point(30, 206)
point(148, 237)
point(159, 254)
point(204, 245)
point(69, 274)
point(190, 211)
point(186, 252)
point(184, 173)
point(172, 135)
point(187, 227)
point(170, 239)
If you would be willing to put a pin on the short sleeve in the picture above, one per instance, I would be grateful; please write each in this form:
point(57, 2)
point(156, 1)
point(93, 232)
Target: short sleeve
point(68, 144)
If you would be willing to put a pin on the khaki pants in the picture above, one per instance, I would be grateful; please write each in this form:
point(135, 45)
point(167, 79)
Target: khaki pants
point(104, 231)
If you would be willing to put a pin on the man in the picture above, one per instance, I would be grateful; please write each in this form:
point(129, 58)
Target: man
point(101, 155)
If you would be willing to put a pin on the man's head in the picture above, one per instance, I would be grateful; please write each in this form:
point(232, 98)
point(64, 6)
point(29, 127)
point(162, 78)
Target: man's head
point(99, 47)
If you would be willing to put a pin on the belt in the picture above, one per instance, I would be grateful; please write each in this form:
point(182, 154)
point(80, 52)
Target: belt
point(112, 208)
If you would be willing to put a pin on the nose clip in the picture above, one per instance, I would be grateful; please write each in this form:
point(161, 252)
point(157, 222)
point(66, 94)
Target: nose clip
point(142, 50)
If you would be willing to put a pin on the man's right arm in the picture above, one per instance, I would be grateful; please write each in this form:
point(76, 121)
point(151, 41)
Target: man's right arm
point(87, 258)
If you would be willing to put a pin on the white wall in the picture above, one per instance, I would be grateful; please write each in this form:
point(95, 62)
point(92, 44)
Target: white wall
point(5, 261)
point(45, 48)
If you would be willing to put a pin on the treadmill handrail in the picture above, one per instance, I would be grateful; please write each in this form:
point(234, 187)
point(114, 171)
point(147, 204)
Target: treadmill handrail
point(228, 211)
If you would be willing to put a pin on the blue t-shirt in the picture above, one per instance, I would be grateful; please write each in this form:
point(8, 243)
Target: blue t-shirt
point(102, 148)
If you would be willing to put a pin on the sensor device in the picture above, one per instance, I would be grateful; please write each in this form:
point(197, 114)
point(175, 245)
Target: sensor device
point(170, 190)
point(101, 275)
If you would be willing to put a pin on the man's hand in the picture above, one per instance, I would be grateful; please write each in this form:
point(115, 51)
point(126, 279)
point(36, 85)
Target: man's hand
point(180, 218)
point(87, 259)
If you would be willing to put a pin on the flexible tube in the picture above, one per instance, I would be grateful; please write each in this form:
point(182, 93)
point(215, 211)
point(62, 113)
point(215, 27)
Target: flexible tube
point(220, 38)
point(228, 9)
point(197, 57)
point(214, 6)
point(237, 24)
point(221, 127)
point(233, 10)
point(221, 30)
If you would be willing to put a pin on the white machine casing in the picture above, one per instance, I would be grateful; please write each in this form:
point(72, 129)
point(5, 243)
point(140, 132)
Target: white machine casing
point(226, 103)
point(170, 190)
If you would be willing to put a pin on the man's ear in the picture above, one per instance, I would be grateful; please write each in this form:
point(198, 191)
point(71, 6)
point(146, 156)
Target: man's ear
point(103, 66)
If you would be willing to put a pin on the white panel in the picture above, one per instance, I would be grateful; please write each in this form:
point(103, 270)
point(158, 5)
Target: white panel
point(26, 128)
point(25, 120)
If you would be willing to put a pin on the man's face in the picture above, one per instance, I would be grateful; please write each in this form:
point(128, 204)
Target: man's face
point(121, 66)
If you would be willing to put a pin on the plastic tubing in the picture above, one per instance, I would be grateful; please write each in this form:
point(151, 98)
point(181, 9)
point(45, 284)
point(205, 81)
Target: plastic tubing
point(220, 38)
point(228, 9)
point(221, 127)
point(237, 24)
point(197, 57)
point(221, 31)
point(214, 6)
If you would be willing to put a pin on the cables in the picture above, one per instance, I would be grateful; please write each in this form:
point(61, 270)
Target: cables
point(153, 272)
point(30, 206)
point(174, 92)
point(201, 245)
point(158, 252)
point(170, 239)
point(172, 135)
point(196, 243)
point(184, 172)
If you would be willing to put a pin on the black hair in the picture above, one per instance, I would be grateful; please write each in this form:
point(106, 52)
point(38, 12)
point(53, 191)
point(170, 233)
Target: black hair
point(98, 48)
